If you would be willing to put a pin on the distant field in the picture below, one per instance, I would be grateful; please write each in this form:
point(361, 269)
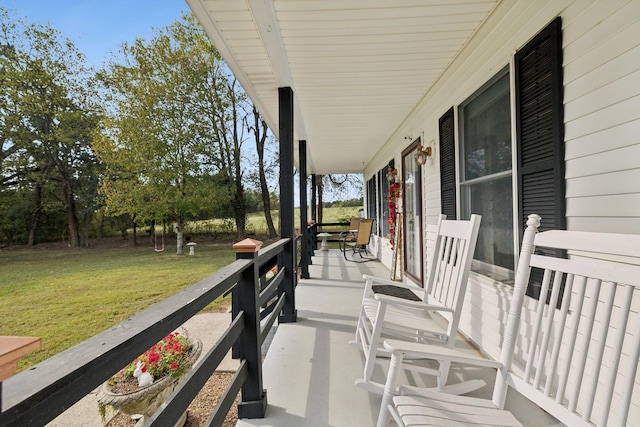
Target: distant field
point(257, 224)
point(65, 296)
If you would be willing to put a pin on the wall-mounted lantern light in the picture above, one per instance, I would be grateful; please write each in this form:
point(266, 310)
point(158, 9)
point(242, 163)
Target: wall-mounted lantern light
point(423, 155)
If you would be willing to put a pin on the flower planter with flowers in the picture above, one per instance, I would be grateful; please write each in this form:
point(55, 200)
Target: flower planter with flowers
point(144, 384)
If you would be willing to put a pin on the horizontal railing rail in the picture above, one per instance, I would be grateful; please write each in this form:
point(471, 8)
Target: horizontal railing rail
point(41, 393)
point(270, 319)
point(332, 227)
point(268, 293)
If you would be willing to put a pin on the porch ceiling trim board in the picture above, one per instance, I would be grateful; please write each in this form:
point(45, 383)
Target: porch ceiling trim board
point(226, 24)
point(358, 68)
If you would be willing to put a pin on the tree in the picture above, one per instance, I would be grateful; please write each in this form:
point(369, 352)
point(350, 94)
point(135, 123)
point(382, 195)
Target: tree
point(338, 184)
point(9, 107)
point(169, 101)
point(260, 132)
point(320, 189)
point(228, 105)
point(48, 117)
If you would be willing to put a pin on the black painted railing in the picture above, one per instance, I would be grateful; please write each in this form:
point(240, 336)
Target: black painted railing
point(38, 395)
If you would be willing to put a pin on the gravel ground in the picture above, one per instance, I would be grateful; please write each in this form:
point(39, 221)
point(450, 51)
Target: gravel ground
point(200, 409)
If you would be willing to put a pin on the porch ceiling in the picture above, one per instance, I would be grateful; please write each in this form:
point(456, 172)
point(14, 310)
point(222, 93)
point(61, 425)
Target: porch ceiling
point(357, 67)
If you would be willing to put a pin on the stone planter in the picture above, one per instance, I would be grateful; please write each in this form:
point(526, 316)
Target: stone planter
point(146, 400)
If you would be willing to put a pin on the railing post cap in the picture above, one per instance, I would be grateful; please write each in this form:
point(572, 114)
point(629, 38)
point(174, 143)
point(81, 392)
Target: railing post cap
point(247, 245)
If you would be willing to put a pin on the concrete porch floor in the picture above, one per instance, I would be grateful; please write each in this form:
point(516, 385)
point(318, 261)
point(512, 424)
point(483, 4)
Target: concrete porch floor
point(310, 369)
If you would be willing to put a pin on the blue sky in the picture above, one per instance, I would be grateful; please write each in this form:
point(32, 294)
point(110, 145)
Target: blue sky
point(99, 26)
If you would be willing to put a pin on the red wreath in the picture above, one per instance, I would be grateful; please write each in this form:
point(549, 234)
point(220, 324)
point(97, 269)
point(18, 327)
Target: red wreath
point(394, 194)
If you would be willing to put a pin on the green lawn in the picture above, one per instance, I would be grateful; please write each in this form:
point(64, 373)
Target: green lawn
point(65, 296)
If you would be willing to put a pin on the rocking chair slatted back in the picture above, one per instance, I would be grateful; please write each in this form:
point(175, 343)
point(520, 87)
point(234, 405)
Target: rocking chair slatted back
point(449, 269)
point(579, 353)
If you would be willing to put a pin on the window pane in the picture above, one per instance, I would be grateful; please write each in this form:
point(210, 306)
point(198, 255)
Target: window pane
point(487, 132)
point(493, 200)
point(486, 184)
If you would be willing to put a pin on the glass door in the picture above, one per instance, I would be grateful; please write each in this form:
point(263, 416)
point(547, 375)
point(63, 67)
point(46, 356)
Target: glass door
point(412, 203)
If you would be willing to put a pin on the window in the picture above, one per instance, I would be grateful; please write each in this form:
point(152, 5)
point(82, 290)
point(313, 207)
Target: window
point(486, 173)
point(383, 222)
point(485, 154)
point(412, 206)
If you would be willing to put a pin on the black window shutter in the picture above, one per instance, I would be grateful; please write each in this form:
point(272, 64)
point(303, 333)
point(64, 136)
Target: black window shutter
point(540, 127)
point(447, 165)
point(371, 198)
point(540, 130)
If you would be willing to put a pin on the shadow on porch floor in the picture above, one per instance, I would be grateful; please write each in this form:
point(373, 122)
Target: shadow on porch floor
point(310, 370)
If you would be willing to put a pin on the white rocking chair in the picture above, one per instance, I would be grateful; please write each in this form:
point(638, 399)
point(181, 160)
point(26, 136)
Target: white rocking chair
point(383, 315)
point(574, 352)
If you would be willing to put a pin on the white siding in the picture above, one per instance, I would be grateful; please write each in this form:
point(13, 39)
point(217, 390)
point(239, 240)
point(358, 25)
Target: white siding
point(601, 71)
point(602, 116)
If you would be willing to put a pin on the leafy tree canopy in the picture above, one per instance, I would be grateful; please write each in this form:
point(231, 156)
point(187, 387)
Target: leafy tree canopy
point(158, 141)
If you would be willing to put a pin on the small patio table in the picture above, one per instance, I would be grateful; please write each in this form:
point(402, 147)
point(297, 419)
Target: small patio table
point(324, 245)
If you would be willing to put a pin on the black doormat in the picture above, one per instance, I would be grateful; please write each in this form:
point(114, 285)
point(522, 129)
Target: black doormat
point(395, 291)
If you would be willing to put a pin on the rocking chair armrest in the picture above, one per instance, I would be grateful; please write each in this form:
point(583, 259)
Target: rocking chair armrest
point(346, 235)
point(436, 352)
point(421, 305)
